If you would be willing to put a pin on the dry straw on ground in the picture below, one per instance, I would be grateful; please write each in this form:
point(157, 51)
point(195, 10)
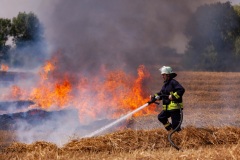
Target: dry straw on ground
point(131, 141)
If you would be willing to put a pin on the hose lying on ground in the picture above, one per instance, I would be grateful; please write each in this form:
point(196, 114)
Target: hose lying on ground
point(173, 131)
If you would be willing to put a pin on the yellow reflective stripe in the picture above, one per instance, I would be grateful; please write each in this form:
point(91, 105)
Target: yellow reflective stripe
point(168, 124)
point(176, 95)
point(164, 107)
point(172, 106)
point(156, 94)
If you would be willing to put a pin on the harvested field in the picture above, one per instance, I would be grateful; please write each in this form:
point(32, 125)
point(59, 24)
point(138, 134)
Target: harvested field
point(210, 128)
point(132, 144)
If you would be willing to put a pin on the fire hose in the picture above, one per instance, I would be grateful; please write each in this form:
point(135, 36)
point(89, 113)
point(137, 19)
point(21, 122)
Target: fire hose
point(153, 100)
point(173, 131)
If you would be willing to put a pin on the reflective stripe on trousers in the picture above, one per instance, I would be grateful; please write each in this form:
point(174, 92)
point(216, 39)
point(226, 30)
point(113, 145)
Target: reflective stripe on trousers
point(172, 106)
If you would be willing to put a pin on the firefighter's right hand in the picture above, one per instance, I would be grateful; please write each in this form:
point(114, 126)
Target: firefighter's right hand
point(152, 99)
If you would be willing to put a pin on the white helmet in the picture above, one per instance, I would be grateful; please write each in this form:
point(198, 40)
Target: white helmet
point(166, 70)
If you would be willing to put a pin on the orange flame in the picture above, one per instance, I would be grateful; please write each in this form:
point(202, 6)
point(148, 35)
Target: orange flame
point(16, 92)
point(48, 92)
point(4, 67)
point(48, 67)
point(117, 95)
point(110, 95)
point(48, 95)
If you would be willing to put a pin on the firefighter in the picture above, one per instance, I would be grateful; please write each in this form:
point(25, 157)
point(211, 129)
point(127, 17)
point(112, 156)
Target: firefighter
point(171, 96)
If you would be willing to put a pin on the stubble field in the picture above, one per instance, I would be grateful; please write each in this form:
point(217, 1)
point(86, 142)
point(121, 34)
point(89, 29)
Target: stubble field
point(210, 128)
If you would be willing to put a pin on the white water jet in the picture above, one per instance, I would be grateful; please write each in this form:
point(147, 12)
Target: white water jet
point(115, 122)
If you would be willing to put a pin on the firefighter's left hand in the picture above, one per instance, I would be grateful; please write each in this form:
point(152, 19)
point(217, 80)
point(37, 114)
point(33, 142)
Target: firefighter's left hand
point(170, 97)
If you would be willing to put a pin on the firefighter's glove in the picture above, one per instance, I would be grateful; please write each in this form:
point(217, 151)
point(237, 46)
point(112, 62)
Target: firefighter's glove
point(152, 99)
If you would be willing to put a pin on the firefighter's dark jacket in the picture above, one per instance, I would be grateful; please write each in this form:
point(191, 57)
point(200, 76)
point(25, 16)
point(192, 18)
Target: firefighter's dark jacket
point(174, 88)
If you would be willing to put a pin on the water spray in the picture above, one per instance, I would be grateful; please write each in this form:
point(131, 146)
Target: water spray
point(153, 100)
point(97, 132)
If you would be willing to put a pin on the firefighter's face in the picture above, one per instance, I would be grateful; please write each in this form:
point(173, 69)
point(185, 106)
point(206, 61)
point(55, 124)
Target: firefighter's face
point(165, 77)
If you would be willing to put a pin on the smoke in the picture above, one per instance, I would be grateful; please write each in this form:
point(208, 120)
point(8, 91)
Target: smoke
point(118, 34)
point(92, 34)
point(112, 34)
point(59, 127)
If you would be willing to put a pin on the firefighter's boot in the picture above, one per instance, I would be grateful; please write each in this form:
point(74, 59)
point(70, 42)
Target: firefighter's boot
point(168, 126)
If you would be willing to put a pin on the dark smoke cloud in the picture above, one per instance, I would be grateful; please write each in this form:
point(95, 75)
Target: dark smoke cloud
point(93, 34)
point(118, 34)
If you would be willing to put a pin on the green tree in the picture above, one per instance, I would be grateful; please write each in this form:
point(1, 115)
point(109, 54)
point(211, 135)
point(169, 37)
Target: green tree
point(26, 29)
point(212, 31)
point(5, 27)
point(27, 33)
point(25, 36)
